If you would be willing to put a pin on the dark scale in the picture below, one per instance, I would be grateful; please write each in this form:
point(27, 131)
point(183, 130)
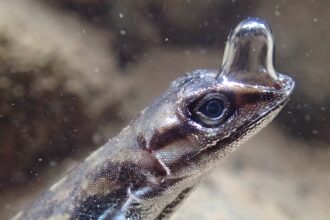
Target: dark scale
point(95, 206)
point(170, 208)
point(151, 166)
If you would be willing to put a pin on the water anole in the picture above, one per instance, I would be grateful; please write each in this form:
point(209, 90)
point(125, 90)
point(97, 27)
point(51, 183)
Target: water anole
point(154, 163)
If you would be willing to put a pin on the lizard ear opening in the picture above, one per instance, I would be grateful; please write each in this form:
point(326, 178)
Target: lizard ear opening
point(248, 54)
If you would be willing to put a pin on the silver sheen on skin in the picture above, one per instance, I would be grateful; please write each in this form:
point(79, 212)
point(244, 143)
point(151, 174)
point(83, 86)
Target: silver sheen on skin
point(148, 169)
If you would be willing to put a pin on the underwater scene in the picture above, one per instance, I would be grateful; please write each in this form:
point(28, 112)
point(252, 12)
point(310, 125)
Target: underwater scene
point(118, 109)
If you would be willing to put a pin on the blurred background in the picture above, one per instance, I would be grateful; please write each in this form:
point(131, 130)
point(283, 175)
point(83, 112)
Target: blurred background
point(74, 72)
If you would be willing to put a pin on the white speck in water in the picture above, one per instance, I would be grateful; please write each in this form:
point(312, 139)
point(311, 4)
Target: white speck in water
point(315, 20)
point(40, 159)
point(121, 15)
point(307, 117)
point(314, 131)
point(166, 39)
point(187, 52)
point(53, 163)
point(83, 31)
point(122, 32)
point(97, 138)
point(307, 54)
point(96, 69)
point(277, 13)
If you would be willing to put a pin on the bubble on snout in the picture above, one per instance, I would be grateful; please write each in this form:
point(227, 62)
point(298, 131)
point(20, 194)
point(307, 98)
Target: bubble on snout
point(249, 54)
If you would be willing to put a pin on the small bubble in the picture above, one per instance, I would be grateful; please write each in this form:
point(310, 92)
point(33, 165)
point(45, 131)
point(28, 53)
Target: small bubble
point(121, 15)
point(122, 32)
point(97, 138)
point(40, 159)
point(315, 20)
point(307, 117)
point(166, 39)
point(307, 54)
point(277, 13)
point(187, 52)
point(53, 163)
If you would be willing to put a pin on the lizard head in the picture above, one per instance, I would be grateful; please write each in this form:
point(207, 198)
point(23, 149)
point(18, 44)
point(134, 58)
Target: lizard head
point(216, 110)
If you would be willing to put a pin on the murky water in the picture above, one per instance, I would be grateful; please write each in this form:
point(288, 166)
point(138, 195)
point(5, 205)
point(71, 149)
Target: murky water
point(73, 73)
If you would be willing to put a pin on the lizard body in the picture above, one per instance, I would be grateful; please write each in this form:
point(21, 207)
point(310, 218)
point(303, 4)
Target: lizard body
point(153, 164)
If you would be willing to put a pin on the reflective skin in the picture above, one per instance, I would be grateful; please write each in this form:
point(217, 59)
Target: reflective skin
point(154, 163)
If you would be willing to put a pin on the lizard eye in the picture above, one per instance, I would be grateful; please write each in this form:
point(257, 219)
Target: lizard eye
point(211, 110)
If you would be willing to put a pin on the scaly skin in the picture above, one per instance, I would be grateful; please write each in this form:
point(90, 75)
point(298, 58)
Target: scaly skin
point(154, 163)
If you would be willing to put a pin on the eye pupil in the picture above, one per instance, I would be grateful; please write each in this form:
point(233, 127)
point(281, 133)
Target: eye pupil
point(212, 108)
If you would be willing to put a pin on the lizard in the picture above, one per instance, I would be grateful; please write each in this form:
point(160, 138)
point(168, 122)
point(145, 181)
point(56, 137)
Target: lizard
point(153, 164)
